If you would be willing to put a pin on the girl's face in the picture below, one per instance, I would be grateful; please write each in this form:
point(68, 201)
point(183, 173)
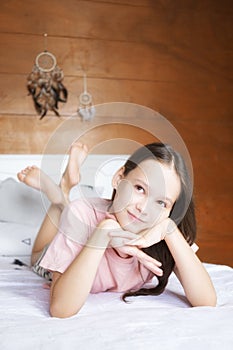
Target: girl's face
point(145, 196)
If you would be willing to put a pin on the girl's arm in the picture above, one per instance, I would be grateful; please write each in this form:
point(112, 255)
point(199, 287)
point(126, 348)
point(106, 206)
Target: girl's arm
point(190, 271)
point(69, 290)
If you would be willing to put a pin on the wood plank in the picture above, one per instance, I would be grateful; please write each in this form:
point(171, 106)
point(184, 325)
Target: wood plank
point(82, 19)
point(98, 58)
point(147, 20)
point(55, 135)
point(213, 177)
point(177, 102)
point(216, 252)
point(216, 249)
point(207, 139)
point(122, 60)
point(202, 148)
point(214, 215)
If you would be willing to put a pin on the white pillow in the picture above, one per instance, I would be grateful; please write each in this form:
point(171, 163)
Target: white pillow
point(21, 204)
point(16, 239)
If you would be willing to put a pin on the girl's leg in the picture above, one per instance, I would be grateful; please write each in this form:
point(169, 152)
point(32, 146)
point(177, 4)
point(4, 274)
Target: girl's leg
point(47, 231)
point(58, 195)
point(36, 178)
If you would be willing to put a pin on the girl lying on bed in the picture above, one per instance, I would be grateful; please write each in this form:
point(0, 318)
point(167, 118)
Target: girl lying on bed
point(96, 245)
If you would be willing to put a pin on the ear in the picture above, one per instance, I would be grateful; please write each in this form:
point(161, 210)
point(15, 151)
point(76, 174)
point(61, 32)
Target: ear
point(119, 175)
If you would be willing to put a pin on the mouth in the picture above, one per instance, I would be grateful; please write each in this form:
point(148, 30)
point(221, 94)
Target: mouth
point(134, 217)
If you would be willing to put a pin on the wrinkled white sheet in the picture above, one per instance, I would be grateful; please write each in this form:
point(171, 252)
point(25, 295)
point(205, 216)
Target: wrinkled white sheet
point(105, 322)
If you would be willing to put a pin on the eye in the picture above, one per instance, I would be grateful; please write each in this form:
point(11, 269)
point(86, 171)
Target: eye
point(162, 203)
point(139, 188)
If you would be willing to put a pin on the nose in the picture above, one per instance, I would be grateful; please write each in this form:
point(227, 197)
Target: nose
point(141, 205)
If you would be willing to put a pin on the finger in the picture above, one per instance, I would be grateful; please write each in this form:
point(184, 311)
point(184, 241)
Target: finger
point(143, 242)
point(147, 258)
point(139, 242)
point(147, 261)
point(123, 234)
point(153, 268)
point(119, 242)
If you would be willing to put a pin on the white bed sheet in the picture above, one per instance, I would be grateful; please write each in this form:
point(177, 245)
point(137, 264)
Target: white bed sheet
point(106, 322)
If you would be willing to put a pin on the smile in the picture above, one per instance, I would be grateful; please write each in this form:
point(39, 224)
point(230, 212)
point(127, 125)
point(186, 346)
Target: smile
point(133, 217)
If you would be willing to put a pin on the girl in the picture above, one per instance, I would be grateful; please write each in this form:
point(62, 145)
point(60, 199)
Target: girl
point(146, 230)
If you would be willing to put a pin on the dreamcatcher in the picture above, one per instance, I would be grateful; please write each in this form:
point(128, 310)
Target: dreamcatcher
point(86, 110)
point(44, 84)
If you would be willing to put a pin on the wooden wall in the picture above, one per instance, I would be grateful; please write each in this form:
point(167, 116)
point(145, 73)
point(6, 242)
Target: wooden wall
point(173, 56)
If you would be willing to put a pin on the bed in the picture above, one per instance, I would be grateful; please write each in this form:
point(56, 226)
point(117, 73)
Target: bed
point(105, 321)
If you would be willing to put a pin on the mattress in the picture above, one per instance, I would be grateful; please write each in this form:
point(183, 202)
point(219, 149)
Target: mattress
point(106, 322)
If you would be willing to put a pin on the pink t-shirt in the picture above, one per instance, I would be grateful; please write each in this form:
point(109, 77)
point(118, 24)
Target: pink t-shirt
point(78, 221)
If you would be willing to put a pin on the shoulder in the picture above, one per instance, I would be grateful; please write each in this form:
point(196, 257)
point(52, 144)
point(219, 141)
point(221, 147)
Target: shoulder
point(80, 217)
point(96, 206)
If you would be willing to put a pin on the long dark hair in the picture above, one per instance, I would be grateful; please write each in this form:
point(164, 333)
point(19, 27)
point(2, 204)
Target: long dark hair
point(182, 213)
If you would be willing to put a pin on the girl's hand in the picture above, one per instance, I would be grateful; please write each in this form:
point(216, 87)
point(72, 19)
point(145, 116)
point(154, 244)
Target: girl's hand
point(120, 240)
point(146, 238)
point(155, 234)
point(150, 263)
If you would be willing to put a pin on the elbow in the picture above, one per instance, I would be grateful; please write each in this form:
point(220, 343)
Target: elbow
point(59, 312)
point(210, 300)
point(213, 299)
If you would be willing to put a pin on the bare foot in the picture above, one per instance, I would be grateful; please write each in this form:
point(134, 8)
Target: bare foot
point(71, 176)
point(36, 178)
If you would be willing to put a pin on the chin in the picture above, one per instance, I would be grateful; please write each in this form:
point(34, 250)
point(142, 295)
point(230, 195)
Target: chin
point(134, 228)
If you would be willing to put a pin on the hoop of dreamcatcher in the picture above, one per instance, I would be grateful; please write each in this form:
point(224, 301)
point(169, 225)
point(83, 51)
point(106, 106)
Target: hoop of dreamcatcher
point(48, 56)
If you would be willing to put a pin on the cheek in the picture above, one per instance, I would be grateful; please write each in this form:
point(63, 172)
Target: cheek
point(158, 215)
point(123, 195)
